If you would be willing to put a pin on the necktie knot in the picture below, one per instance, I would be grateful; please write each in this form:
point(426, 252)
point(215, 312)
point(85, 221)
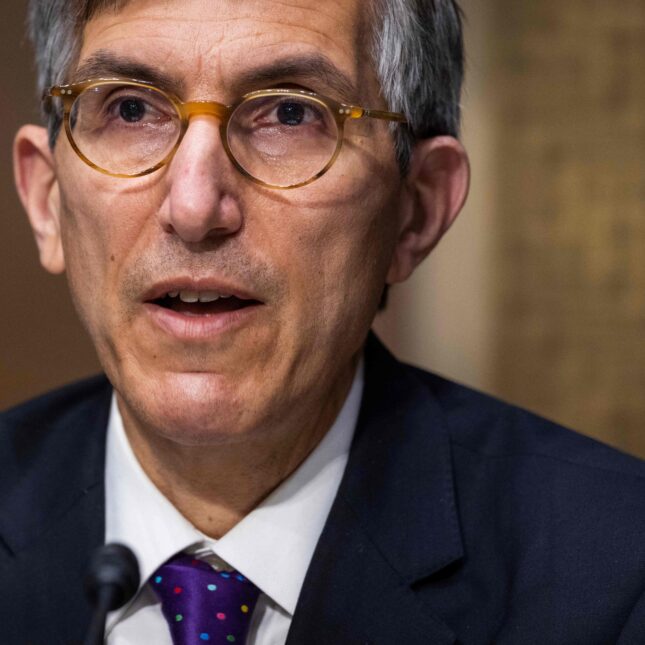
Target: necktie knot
point(203, 605)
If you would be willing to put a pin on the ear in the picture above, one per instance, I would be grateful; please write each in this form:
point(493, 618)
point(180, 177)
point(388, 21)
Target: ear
point(34, 171)
point(434, 192)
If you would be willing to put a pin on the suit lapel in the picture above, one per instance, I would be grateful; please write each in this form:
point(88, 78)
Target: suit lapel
point(393, 524)
point(52, 513)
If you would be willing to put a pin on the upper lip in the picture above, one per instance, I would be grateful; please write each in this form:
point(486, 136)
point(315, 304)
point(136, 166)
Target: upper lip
point(224, 287)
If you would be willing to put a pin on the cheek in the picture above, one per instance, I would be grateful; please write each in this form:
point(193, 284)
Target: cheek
point(86, 272)
point(336, 258)
point(98, 234)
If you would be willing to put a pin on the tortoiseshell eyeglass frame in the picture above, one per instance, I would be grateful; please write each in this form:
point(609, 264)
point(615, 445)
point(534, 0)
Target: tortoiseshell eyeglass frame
point(186, 110)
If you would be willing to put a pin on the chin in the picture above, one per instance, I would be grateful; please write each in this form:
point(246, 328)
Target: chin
point(190, 409)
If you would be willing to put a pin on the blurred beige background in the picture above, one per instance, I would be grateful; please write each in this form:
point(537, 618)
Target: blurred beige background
point(536, 295)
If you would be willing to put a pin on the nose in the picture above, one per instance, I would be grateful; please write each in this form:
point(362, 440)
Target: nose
point(200, 203)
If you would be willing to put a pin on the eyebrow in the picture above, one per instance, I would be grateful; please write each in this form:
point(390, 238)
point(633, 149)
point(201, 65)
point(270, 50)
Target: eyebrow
point(315, 70)
point(105, 64)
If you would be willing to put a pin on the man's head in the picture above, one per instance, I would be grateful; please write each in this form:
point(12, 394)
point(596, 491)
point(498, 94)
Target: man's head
point(306, 267)
point(415, 47)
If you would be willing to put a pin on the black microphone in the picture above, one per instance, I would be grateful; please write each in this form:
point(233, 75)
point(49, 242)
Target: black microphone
point(112, 578)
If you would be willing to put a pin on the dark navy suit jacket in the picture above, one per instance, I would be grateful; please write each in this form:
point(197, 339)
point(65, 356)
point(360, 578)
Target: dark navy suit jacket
point(459, 520)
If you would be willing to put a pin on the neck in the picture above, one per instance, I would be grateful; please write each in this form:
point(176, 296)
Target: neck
point(214, 487)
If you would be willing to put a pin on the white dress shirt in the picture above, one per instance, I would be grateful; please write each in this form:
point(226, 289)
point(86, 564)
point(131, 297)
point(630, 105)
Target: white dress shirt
point(272, 546)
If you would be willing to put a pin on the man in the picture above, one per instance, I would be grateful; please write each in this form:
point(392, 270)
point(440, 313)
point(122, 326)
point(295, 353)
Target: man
point(230, 187)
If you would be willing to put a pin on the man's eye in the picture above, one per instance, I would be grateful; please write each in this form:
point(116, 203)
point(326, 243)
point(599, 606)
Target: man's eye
point(132, 110)
point(291, 113)
point(282, 118)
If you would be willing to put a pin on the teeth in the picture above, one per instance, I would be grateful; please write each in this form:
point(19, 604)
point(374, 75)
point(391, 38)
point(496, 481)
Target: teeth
point(188, 296)
point(208, 296)
point(198, 296)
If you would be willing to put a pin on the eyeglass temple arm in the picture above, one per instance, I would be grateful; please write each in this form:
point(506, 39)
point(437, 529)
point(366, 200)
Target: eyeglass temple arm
point(359, 113)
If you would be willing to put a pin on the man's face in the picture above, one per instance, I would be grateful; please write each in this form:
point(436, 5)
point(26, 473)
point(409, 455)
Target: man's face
point(306, 266)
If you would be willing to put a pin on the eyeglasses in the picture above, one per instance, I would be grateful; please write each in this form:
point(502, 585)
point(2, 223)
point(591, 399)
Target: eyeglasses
point(278, 138)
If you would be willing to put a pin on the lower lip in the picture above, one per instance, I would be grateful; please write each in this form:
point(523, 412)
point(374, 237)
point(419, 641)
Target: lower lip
point(198, 327)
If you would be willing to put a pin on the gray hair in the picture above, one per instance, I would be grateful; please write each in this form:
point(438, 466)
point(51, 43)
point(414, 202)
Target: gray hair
point(418, 55)
point(417, 50)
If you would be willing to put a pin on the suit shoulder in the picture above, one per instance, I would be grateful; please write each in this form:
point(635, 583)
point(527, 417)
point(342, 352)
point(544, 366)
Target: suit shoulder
point(52, 451)
point(491, 428)
point(59, 408)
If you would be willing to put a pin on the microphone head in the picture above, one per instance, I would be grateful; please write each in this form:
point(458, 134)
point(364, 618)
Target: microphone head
point(112, 566)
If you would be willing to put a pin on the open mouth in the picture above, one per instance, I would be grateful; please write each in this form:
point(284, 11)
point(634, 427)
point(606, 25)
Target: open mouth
point(202, 303)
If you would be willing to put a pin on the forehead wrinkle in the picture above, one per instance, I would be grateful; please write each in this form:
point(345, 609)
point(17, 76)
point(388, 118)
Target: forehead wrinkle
point(364, 84)
point(216, 61)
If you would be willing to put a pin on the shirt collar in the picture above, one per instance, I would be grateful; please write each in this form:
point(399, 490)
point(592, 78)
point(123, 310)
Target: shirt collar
point(272, 546)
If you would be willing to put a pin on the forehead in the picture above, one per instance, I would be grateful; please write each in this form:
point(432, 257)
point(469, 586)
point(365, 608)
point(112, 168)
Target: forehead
point(211, 43)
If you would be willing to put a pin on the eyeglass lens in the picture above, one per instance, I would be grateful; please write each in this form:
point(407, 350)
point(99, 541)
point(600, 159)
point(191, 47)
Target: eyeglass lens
point(282, 139)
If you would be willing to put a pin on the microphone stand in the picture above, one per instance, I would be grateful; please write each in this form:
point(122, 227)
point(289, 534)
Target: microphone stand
point(104, 603)
point(112, 580)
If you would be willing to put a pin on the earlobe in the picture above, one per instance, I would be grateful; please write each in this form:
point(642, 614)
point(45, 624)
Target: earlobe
point(435, 190)
point(35, 178)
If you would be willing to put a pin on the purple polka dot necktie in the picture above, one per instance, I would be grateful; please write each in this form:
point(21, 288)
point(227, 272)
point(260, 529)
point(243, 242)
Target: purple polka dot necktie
point(203, 605)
